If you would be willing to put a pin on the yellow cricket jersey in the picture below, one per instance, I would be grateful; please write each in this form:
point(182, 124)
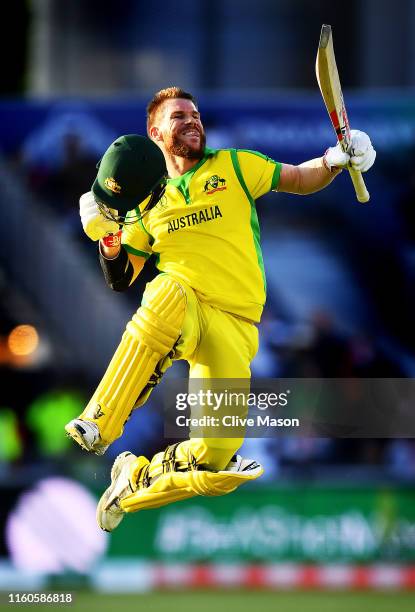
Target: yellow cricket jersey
point(205, 229)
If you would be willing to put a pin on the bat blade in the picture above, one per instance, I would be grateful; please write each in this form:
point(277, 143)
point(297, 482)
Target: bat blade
point(330, 87)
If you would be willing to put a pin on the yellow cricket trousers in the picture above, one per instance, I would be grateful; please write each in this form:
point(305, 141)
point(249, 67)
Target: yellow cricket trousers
point(217, 345)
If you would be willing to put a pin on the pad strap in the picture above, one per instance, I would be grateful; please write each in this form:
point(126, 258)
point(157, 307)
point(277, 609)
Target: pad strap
point(169, 459)
point(170, 464)
point(144, 478)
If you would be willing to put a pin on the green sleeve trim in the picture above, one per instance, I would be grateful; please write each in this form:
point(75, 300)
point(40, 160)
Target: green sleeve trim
point(254, 217)
point(277, 170)
point(276, 176)
point(134, 251)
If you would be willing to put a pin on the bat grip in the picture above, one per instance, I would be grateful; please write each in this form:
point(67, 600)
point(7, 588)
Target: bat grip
point(362, 193)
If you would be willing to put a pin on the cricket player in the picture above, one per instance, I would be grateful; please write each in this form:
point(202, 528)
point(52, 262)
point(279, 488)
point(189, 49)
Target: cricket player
point(205, 304)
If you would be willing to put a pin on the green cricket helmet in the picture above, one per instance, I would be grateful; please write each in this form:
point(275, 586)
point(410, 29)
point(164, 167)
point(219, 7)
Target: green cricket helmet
point(132, 169)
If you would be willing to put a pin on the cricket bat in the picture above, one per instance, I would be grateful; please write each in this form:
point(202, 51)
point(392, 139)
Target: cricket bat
point(329, 83)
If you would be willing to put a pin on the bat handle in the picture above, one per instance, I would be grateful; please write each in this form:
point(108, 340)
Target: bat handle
point(362, 193)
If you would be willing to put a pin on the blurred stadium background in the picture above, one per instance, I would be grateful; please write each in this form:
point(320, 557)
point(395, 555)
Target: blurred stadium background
point(332, 515)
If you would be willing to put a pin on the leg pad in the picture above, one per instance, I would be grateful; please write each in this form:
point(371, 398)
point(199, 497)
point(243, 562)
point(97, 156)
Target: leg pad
point(173, 486)
point(134, 369)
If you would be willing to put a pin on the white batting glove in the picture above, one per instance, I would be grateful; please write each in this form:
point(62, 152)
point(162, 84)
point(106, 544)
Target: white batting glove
point(361, 154)
point(95, 225)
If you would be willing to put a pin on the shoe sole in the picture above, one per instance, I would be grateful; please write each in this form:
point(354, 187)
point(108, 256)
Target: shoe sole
point(75, 432)
point(103, 504)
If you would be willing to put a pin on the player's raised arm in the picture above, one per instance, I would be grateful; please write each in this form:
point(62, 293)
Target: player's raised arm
point(130, 181)
point(315, 174)
point(119, 271)
point(119, 267)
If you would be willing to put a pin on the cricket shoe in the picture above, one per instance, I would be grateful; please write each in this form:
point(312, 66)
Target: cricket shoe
point(109, 512)
point(86, 434)
point(241, 464)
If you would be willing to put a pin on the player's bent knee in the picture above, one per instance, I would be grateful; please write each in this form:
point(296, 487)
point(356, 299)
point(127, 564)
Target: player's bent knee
point(158, 322)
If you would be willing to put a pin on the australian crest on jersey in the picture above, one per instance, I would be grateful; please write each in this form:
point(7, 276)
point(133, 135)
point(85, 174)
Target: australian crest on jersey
point(195, 199)
point(206, 186)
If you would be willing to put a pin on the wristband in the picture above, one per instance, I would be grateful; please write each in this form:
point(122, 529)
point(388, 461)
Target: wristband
point(118, 272)
point(112, 240)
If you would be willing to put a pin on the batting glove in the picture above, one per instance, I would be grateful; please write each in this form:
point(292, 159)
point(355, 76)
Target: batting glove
point(95, 225)
point(361, 155)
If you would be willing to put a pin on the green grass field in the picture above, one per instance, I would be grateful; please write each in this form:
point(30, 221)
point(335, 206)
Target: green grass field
point(241, 601)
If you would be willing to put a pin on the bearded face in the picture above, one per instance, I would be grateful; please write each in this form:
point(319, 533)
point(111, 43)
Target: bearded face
point(189, 144)
point(182, 129)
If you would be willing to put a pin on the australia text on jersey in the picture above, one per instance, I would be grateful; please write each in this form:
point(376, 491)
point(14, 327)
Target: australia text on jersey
point(206, 214)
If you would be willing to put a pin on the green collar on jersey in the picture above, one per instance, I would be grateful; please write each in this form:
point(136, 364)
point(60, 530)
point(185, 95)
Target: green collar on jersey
point(182, 181)
point(178, 179)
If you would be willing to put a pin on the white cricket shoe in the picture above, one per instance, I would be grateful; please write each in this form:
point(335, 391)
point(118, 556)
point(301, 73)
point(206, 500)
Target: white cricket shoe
point(109, 513)
point(86, 434)
point(241, 464)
